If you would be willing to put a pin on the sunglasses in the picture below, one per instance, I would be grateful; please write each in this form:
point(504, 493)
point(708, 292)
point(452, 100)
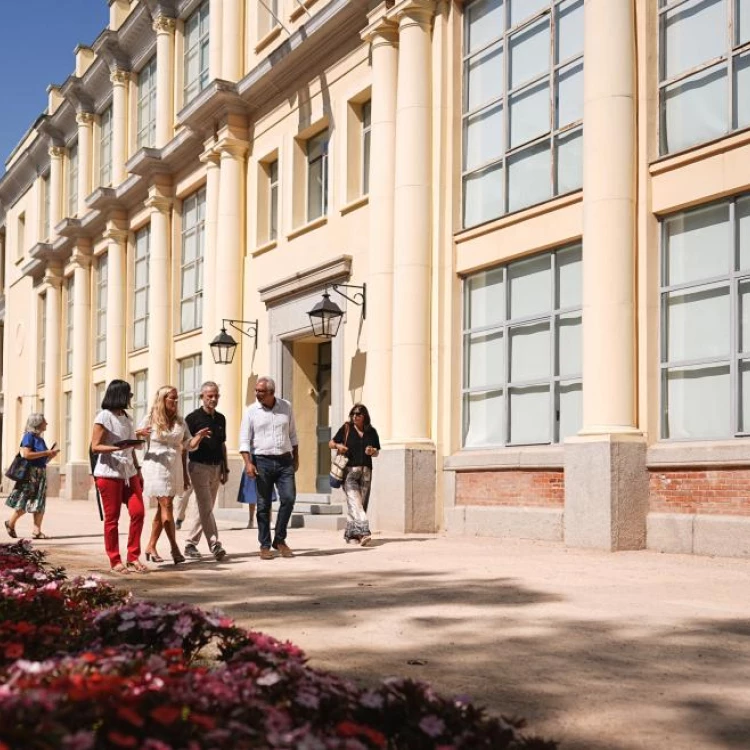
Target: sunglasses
point(357, 414)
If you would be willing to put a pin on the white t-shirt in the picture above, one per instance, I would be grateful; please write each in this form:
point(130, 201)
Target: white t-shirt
point(120, 464)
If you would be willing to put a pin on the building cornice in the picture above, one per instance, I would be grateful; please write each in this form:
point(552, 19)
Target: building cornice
point(329, 272)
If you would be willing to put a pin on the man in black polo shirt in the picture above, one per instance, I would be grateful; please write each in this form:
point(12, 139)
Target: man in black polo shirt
point(207, 466)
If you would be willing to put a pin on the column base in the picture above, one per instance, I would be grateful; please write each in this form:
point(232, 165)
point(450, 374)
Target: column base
point(227, 495)
point(606, 492)
point(53, 481)
point(403, 490)
point(77, 481)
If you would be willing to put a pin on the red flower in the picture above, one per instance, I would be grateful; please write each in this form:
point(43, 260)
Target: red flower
point(122, 740)
point(166, 714)
point(130, 716)
point(202, 721)
point(14, 651)
point(352, 729)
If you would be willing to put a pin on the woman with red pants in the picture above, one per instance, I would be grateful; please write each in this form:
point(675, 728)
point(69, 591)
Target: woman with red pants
point(118, 476)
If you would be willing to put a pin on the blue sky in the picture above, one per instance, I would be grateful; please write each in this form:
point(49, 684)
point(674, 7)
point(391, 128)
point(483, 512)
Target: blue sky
point(38, 39)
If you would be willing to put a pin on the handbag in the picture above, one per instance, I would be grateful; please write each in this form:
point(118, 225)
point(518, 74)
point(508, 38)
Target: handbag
point(338, 464)
point(18, 469)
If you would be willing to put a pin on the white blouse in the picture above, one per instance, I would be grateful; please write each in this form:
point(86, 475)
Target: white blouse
point(120, 464)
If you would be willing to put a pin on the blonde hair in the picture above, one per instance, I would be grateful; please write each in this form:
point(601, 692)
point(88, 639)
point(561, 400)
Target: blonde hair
point(158, 418)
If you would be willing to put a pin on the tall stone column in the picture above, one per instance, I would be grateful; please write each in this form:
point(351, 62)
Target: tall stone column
point(211, 321)
point(56, 154)
point(232, 36)
point(606, 483)
point(158, 294)
point(229, 256)
point(52, 309)
point(404, 492)
point(120, 84)
point(164, 27)
point(85, 122)
point(116, 237)
point(77, 480)
point(383, 38)
point(215, 14)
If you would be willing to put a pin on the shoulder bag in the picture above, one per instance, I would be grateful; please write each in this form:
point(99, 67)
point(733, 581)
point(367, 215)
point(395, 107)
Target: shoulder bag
point(338, 464)
point(18, 469)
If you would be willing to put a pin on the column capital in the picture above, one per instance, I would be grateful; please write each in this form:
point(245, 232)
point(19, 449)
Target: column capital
point(85, 118)
point(408, 12)
point(79, 260)
point(120, 77)
point(56, 152)
point(164, 24)
point(233, 148)
point(381, 31)
point(159, 203)
point(210, 157)
point(53, 277)
point(118, 236)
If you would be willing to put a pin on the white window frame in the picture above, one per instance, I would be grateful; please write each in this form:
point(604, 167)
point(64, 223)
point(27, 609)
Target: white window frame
point(195, 233)
point(100, 309)
point(504, 383)
point(140, 402)
point(366, 145)
point(273, 200)
point(317, 161)
point(146, 105)
point(46, 204)
point(197, 44)
point(552, 140)
point(69, 305)
point(141, 259)
point(67, 425)
point(105, 147)
point(189, 388)
point(736, 50)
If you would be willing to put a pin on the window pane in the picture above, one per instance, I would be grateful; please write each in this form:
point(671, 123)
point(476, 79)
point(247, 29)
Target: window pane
point(530, 415)
point(484, 22)
point(315, 190)
point(530, 286)
point(694, 33)
point(698, 403)
point(570, 95)
point(530, 352)
point(484, 77)
point(696, 109)
point(569, 30)
point(744, 425)
point(139, 334)
point(187, 318)
point(744, 295)
point(569, 162)
point(742, 210)
point(484, 360)
point(571, 410)
point(529, 114)
point(529, 52)
point(698, 244)
point(698, 324)
point(529, 177)
point(570, 278)
point(569, 346)
point(742, 23)
point(189, 285)
point(742, 91)
point(485, 299)
point(483, 414)
point(520, 10)
point(483, 196)
point(484, 137)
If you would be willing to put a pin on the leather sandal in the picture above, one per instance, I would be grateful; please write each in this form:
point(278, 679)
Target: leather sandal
point(136, 566)
point(11, 531)
point(120, 568)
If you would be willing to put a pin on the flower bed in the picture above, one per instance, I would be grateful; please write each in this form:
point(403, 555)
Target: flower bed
point(84, 667)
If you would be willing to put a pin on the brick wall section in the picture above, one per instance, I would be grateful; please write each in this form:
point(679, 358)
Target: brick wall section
point(715, 492)
point(529, 488)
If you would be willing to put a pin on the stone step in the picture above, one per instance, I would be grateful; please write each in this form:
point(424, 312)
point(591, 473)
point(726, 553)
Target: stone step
point(327, 522)
point(314, 509)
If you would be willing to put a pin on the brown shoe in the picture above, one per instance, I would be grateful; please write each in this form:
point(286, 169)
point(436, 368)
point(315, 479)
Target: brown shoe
point(284, 550)
point(266, 554)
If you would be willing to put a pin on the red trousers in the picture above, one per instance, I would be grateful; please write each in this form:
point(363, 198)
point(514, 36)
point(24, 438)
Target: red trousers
point(115, 493)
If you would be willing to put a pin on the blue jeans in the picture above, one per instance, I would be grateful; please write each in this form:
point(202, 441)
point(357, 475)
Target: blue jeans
point(275, 471)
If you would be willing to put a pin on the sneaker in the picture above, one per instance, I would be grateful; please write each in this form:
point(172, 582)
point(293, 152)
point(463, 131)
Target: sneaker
point(191, 551)
point(218, 552)
point(178, 524)
point(284, 549)
point(266, 554)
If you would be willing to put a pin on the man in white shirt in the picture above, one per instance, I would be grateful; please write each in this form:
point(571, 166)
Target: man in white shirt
point(268, 445)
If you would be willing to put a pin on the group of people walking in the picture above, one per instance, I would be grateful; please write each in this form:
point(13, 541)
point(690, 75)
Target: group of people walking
point(182, 453)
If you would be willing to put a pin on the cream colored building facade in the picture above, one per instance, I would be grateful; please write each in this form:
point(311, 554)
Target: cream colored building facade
point(554, 338)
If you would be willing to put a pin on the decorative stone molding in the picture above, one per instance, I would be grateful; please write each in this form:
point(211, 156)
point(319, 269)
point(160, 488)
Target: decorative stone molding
point(53, 277)
point(120, 77)
point(159, 203)
point(232, 148)
point(332, 271)
point(210, 157)
point(164, 25)
point(57, 152)
point(382, 30)
point(411, 12)
point(85, 118)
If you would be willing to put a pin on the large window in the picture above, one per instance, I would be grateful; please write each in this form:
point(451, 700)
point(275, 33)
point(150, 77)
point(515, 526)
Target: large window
point(99, 390)
point(73, 180)
point(366, 138)
point(317, 176)
point(140, 287)
point(273, 200)
point(193, 250)
point(140, 402)
point(100, 311)
point(105, 148)
point(196, 52)
point(705, 322)
point(522, 351)
point(189, 376)
point(522, 104)
point(41, 358)
point(69, 301)
point(67, 426)
point(704, 70)
point(45, 228)
point(147, 105)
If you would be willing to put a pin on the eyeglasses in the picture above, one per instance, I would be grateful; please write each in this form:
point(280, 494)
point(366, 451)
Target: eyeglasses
point(357, 414)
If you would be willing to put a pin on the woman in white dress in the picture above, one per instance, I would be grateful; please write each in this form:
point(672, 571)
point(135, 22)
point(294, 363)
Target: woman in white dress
point(165, 465)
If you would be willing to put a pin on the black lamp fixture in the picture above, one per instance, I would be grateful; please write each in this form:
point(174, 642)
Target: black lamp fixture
point(224, 346)
point(326, 316)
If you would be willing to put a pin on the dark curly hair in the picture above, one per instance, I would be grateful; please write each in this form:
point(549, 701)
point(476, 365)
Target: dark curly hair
point(360, 408)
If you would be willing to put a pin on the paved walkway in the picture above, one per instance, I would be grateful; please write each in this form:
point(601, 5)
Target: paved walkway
point(619, 651)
